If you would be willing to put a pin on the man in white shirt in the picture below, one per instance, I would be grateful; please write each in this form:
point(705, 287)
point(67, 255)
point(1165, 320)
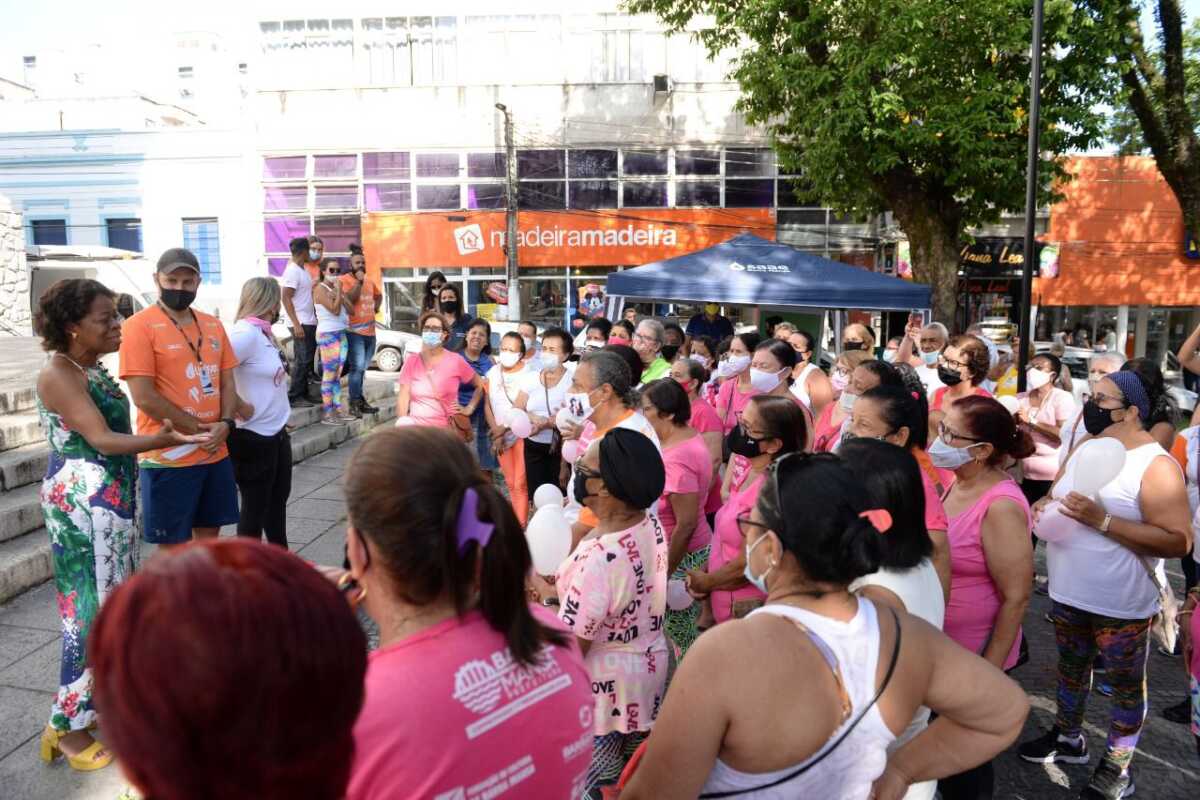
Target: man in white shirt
point(931, 341)
point(302, 318)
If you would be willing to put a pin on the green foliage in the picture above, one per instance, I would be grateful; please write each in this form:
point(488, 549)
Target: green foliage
point(1124, 130)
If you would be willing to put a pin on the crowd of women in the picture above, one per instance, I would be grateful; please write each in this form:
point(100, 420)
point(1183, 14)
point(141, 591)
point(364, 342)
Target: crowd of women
point(779, 583)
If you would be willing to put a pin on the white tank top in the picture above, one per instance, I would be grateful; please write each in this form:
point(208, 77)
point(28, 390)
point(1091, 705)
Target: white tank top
point(800, 385)
point(1092, 572)
point(848, 772)
point(327, 321)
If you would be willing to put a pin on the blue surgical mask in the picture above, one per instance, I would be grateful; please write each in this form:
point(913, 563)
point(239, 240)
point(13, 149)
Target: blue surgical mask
point(431, 338)
point(759, 582)
point(930, 359)
point(889, 356)
point(313, 255)
point(948, 457)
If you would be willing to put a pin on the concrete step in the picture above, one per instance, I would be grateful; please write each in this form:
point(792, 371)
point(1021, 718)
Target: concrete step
point(18, 398)
point(20, 511)
point(19, 429)
point(25, 556)
point(22, 466)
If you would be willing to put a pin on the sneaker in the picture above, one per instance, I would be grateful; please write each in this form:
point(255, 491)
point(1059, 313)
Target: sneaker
point(1180, 713)
point(1053, 748)
point(1108, 782)
point(1178, 651)
point(345, 416)
point(331, 420)
point(356, 410)
point(301, 402)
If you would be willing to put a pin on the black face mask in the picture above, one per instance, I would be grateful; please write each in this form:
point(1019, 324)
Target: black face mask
point(450, 307)
point(669, 351)
point(848, 346)
point(948, 376)
point(579, 489)
point(741, 444)
point(176, 299)
point(1096, 419)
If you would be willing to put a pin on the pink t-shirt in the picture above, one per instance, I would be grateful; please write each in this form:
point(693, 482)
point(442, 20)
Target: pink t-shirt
point(727, 542)
point(940, 395)
point(432, 392)
point(689, 471)
point(935, 514)
point(704, 418)
point(613, 591)
point(827, 434)
point(731, 402)
point(974, 597)
point(448, 713)
point(1054, 411)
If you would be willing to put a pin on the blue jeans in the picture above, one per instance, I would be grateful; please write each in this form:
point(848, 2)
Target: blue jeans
point(358, 356)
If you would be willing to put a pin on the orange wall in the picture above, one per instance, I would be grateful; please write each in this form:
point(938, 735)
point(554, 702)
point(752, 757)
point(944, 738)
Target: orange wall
point(1121, 239)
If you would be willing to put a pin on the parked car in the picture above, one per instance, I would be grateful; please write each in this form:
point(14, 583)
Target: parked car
point(391, 347)
point(1076, 359)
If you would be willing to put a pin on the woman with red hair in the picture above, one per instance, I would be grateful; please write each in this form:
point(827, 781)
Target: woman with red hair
point(230, 668)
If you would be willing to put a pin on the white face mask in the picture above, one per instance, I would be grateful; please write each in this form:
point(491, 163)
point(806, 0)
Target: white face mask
point(846, 401)
point(528, 343)
point(764, 381)
point(947, 457)
point(508, 358)
point(1036, 379)
point(579, 406)
point(734, 365)
point(703, 361)
point(549, 361)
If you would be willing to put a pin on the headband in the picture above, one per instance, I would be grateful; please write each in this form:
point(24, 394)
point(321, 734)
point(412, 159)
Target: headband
point(470, 527)
point(880, 519)
point(1135, 393)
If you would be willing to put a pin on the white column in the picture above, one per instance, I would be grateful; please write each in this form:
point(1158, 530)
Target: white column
point(1141, 331)
point(1122, 327)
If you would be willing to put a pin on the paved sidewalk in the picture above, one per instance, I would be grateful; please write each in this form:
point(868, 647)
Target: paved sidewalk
point(1166, 766)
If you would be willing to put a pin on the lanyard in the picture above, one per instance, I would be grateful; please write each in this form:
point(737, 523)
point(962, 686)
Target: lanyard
point(199, 341)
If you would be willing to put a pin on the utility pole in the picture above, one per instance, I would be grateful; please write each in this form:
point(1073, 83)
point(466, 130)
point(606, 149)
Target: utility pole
point(510, 236)
point(1031, 184)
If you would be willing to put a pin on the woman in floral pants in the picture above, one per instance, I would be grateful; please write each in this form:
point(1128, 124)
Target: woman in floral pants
point(88, 493)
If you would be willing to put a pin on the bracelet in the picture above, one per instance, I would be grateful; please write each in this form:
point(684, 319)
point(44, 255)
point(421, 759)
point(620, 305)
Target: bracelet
point(1107, 521)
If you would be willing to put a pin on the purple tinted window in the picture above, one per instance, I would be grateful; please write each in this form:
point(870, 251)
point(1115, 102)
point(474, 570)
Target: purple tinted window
point(593, 194)
point(750, 193)
point(541, 163)
point(281, 230)
point(485, 165)
point(386, 165)
point(338, 232)
point(285, 168)
point(486, 195)
point(334, 166)
point(645, 162)
point(697, 193)
point(438, 197)
point(542, 194)
point(697, 162)
point(387, 197)
point(336, 197)
point(652, 194)
point(745, 161)
point(437, 165)
point(285, 198)
point(276, 266)
point(593, 163)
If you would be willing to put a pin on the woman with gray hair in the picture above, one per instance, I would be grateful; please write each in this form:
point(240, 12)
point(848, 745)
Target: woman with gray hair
point(260, 447)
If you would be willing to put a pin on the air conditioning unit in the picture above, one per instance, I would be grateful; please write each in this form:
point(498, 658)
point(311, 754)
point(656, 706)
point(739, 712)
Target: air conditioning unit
point(662, 84)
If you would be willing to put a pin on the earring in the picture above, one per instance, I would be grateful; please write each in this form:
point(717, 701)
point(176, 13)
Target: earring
point(346, 583)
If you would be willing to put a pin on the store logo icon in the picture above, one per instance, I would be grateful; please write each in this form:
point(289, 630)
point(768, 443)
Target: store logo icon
point(777, 268)
point(468, 239)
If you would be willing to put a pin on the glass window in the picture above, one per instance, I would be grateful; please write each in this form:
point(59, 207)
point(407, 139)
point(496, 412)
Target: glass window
point(285, 168)
point(544, 292)
point(593, 194)
point(335, 166)
point(336, 197)
point(404, 303)
point(486, 195)
point(49, 231)
point(750, 193)
point(542, 194)
point(748, 161)
point(437, 165)
point(592, 163)
point(125, 234)
point(338, 231)
point(278, 231)
point(387, 197)
point(698, 193)
point(795, 192)
point(645, 194)
point(697, 162)
point(391, 166)
point(645, 162)
point(486, 165)
point(285, 198)
point(803, 216)
point(203, 238)
point(431, 198)
point(540, 163)
point(276, 266)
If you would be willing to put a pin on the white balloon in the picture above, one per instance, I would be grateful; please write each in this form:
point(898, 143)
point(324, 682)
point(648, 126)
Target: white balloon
point(404, 422)
point(519, 424)
point(549, 537)
point(570, 450)
point(678, 598)
point(1096, 463)
point(1009, 402)
point(510, 415)
point(564, 418)
point(547, 495)
point(1052, 526)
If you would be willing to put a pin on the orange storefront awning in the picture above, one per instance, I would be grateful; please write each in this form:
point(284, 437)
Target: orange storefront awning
point(598, 238)
point(1121, 239)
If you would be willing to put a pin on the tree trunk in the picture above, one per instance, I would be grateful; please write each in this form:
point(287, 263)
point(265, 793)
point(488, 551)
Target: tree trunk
point(934, 246)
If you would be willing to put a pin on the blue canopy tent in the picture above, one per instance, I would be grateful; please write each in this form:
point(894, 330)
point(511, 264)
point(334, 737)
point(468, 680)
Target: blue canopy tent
point(750, 270)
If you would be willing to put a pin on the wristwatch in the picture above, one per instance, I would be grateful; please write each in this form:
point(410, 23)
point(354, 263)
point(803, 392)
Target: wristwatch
point(231, 422)
point(1107, 521)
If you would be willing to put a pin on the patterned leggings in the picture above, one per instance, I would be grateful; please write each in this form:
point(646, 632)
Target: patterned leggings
point(610, 753)
point(332, 347)
point(1124, 644)
point(681, 625)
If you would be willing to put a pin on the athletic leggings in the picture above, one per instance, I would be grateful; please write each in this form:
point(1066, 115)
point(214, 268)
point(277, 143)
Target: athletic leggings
point(1124, 644)
point(332, 347)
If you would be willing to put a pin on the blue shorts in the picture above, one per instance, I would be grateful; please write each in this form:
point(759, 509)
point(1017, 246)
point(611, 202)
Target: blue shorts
point(177, 499)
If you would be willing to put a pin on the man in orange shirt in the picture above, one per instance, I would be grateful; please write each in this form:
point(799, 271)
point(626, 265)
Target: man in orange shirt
point(179, 364)
point(360, 333)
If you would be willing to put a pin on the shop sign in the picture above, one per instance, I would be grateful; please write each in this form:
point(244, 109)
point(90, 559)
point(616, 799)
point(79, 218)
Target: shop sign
point(994, 256)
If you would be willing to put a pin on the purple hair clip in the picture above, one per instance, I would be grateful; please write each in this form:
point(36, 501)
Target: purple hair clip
point(470, 527)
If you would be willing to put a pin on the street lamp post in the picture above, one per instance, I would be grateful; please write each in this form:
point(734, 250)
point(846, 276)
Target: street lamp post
point(1031, 185)
point(510, 236)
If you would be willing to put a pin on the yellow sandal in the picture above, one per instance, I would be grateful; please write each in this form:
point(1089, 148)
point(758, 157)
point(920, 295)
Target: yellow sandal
point(93, 757)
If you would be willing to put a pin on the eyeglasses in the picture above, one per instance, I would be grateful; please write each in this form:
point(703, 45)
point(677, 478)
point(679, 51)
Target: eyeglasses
point(428, 329)
point(954, 364)
point(744, 520)
point(1100, 397)
point(583, 472)
point(641, 337)
point(948, 436)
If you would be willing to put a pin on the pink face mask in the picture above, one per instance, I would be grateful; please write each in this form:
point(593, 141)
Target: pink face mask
point(618, 340)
